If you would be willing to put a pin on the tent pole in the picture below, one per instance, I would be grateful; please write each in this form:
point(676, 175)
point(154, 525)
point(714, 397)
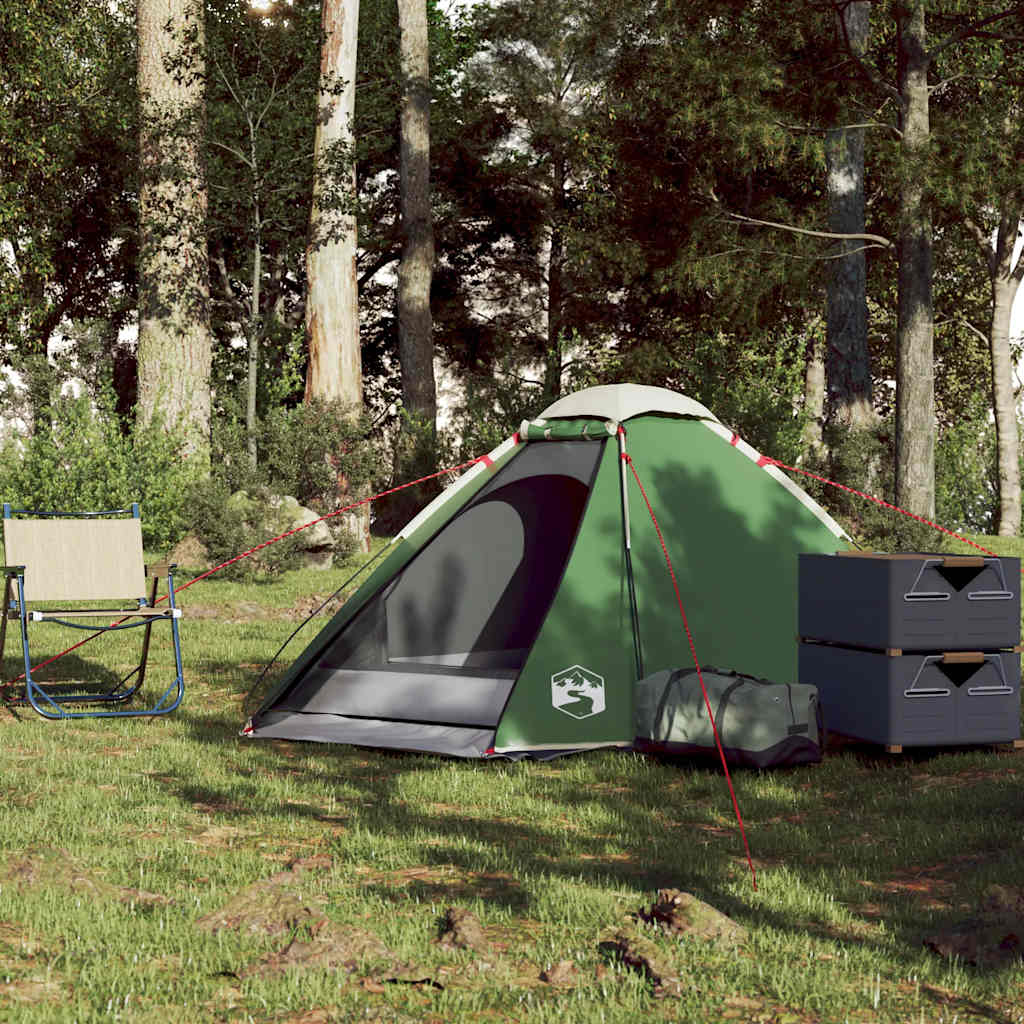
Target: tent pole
point(631, 583)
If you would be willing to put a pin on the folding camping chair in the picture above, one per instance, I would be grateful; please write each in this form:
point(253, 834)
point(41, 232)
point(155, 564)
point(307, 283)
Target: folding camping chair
point(75, 559)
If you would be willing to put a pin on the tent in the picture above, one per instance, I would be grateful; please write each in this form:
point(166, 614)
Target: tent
point(513, 616)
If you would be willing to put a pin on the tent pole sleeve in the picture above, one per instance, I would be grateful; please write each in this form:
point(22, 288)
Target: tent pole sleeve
point(630, 581)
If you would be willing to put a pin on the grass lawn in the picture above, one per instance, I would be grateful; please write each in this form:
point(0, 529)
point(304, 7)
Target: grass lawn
point(169, 870)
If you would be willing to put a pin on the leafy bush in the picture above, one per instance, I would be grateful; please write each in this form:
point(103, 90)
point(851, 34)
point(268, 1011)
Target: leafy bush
point(966, 493)
point(83, 462)
point(228, 523)
point(315, 452)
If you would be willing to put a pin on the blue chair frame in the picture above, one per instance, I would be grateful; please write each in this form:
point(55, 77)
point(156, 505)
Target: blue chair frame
point(50, 700)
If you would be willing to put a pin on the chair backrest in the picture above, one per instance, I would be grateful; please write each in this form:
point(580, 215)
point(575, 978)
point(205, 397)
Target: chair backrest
point(77, 559)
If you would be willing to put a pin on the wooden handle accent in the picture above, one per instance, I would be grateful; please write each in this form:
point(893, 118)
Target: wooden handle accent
point(963, 658)
point(948, 561)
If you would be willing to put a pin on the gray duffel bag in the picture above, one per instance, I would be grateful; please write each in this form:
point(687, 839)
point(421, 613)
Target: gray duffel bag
point(761, 724)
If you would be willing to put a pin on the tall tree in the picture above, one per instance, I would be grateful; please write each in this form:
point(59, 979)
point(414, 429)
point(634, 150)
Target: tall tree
point(67, 177)
point(915, 369)
point(261, 102)
point(848, 365)
point(1004, 261)
point(415, 272)
point(175, 342)
point(979, 103)
point(334, 371)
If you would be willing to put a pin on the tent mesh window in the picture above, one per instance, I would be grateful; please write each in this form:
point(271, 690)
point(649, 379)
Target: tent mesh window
point(468, 606)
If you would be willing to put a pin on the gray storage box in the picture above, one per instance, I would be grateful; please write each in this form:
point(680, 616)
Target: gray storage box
point(922, 699)
point(919, 602)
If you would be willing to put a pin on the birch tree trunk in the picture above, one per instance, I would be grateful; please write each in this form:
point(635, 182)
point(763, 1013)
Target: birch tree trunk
point(915, 372)
point(416, 270)
point(175, 343)
point(1006, 275)
point(814, 394)
point(556, 281)
point(848, 362)
point(335, 371)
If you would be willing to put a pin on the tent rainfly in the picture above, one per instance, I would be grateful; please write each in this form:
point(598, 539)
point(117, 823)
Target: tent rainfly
point(514, 615)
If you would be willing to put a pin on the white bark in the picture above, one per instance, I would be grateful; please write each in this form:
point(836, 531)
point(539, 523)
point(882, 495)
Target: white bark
point(332, 308)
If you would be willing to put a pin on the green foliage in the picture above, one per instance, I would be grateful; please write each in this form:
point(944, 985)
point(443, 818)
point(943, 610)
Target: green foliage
point(315, 452)
point(230, 523)
point(965, 472)
point(67, 193)
point(84, 462)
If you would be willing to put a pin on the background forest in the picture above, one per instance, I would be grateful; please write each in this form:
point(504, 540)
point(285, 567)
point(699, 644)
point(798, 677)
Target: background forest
point(807, 216)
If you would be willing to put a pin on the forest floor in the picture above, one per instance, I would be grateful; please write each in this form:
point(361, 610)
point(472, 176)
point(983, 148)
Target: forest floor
point(169, 869)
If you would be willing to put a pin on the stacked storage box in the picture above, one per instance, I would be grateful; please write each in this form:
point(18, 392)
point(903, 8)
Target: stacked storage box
point(913, 649)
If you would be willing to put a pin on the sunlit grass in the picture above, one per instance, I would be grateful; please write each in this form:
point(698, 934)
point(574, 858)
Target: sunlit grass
point(118, 837)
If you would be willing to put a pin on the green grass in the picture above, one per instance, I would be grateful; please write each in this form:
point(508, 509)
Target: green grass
point(118, 838)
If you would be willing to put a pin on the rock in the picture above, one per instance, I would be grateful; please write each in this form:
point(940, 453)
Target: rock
point(461, 930)
point(316, 542)
point(330, 947)
point(993, 938)
point(562, 974)
point(681, 914)
point(642, 955)
point(980, 944)
point(264, 909)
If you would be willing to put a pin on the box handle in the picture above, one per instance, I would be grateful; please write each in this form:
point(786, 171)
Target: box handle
point(931, 692)
point(954, 562)
point(963, 658)
point(989, 691)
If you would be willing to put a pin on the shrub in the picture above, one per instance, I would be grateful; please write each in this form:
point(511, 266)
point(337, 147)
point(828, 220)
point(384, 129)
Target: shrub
point(228, 523)
point(315, 452)
point(83, 462)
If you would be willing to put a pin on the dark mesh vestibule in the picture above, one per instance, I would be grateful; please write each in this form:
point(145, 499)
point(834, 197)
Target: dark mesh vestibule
point(443, 642)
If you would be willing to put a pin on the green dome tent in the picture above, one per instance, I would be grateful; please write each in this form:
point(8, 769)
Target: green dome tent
point(514, 615)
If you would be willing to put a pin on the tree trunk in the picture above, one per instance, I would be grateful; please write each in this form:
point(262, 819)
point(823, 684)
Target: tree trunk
point(915, 370)
point(848, 362)
point(175, 344)
point(335, 370)
point(556, 282)
point(415, 327)
point(255, 323)
point(814, 394)
point(1006, 277)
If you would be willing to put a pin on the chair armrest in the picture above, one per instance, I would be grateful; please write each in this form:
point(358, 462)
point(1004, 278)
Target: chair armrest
point(11, 570)
point(159, 571)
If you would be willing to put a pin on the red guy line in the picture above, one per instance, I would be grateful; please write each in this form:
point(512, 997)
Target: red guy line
point(693, 651)
point(768, 461)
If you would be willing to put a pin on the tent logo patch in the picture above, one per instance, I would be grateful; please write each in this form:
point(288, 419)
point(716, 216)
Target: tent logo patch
point(577, 692)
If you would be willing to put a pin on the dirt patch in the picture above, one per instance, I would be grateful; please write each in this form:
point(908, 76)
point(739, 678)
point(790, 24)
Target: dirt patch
point(240, 612)
point(446, 881)
point(326, 946)
point(971, 777)
point(682, 915)
point(642, 955)
point(21, 949)
point(564, 974)
point(264, 909)
point(37, 989)
point(460, 929)
point(57, 869)
point(994, 937)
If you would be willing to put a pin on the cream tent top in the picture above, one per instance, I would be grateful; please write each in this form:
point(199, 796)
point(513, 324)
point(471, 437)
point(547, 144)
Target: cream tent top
point(620, 402)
